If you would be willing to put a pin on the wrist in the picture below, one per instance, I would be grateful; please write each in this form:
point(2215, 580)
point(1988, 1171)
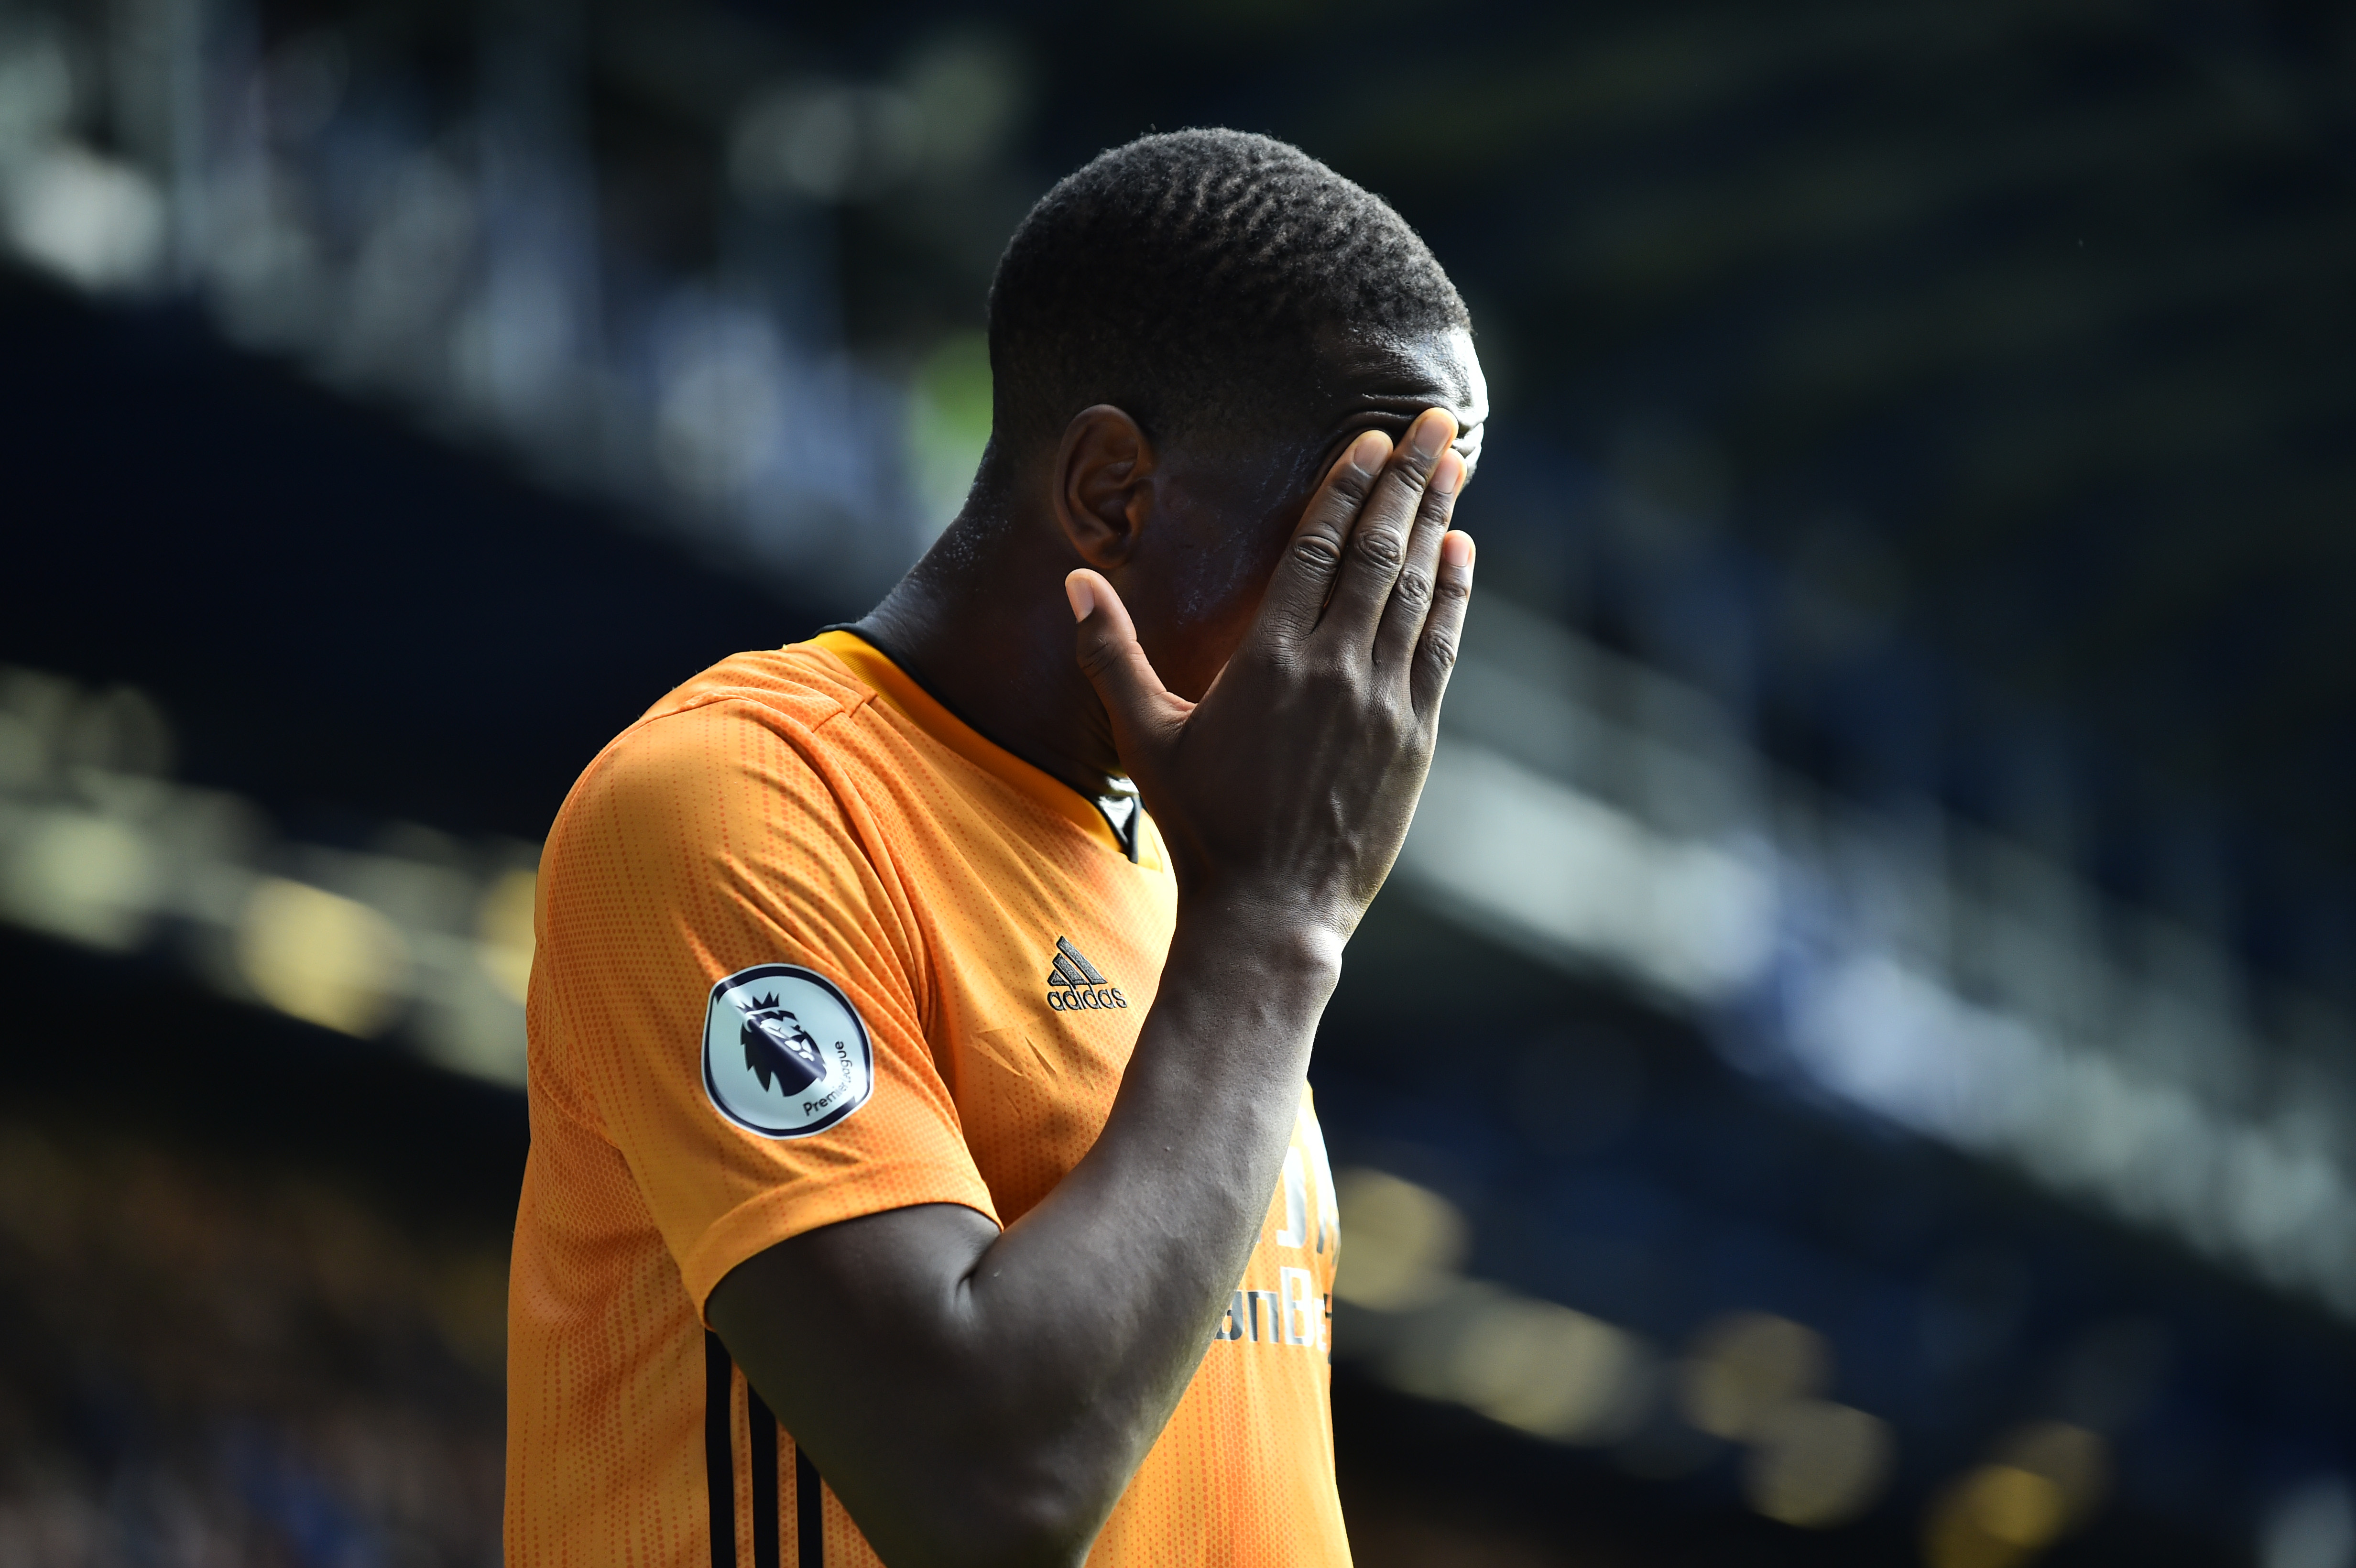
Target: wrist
point(1235, 1014)
point(1267, 934)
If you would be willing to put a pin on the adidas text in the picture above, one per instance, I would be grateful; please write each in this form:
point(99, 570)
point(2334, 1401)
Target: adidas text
point(1089, 1000)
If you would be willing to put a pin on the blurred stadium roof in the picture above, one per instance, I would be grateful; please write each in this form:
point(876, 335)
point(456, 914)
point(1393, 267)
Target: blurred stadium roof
point(2016, 335)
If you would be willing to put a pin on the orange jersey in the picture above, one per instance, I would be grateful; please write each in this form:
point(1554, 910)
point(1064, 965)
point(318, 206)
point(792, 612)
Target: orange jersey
point(810, 948)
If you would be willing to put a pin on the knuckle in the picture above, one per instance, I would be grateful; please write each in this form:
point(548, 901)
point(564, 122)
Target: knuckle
point(1413, 468)
point(1338, 677)
point(1327, 667)
point(1380, 548)
point(1319, 552)
point(1440, 651)
point(1413, 589)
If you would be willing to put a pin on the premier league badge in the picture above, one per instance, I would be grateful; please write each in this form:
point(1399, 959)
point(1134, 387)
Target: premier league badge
point(785, 1053)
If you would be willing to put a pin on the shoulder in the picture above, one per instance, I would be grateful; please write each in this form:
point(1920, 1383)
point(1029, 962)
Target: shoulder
point(753, 733)
point(796, 691)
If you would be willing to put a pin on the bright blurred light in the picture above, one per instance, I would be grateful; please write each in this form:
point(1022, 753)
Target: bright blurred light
point(1558, 1373)
point(323, 958)
point(88, 878)
point(2075, 1461)
point(1533, 861)
point(24, 752)
point(1550, 1371)
point(1406, 1241)
point(1744, 1368)
point(97, 847)
point(96, 222)
point(1996, 1514)
point(1816, 1464)
point(2045, 1480)
point(1536, 1365)
point(2314, 1527)
point(503, 928)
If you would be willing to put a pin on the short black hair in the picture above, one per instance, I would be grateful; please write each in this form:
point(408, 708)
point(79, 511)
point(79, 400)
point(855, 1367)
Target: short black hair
point(1183, 278)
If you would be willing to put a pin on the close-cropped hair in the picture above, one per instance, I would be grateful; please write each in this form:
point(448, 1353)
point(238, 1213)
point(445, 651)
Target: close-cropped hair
point(1185, 277)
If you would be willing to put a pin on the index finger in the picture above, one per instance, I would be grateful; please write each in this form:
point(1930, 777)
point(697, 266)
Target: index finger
point(1312, 558)
point(1379, 540)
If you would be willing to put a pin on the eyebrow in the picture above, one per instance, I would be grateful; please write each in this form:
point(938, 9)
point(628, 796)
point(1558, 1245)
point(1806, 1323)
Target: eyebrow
point(1406, 407)
point(1332, 451)
point(1343, 430)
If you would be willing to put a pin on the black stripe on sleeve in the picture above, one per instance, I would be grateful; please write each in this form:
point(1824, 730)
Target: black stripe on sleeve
point(720, 1449)
point(809, 1519)
point(768, 1535)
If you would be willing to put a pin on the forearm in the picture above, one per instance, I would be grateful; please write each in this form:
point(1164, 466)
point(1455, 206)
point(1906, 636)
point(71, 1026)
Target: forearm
point(1152, 1228)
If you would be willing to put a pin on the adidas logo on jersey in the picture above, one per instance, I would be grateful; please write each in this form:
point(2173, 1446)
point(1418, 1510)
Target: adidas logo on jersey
point(1074, 986)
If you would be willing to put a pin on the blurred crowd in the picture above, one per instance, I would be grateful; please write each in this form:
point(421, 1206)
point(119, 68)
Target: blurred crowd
point(204, 1363)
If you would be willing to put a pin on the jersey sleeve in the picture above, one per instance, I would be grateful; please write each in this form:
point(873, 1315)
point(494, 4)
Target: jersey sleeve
point(717, 951)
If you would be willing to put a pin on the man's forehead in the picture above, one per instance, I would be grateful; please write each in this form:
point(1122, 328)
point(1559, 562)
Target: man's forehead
point(1405, 373)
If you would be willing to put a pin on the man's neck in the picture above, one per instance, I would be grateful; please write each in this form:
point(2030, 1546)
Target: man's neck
point(980, 622)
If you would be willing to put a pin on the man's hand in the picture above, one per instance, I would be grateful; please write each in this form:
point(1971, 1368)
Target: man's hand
point(1288, 788)
point(958, 1434)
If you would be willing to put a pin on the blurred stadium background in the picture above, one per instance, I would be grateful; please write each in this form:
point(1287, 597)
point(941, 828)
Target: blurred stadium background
point(1857, 1064)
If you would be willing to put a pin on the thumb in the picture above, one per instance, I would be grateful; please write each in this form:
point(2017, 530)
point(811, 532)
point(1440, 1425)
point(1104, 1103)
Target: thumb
point(1112, 660)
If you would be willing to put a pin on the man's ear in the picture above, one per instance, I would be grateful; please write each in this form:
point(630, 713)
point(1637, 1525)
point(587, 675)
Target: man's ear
point(1102, 494)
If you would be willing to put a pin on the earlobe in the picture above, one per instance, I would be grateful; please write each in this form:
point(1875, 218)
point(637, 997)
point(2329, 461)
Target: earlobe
point(1104, 469)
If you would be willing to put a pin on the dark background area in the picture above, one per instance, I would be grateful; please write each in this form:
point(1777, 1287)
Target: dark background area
point(341, 613)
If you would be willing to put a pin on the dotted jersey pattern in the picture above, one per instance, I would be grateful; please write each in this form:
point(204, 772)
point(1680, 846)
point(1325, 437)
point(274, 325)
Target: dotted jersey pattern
point(811, 805)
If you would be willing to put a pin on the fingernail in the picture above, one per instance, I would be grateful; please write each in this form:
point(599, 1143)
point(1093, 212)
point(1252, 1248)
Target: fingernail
point(1366, 453)
point(1448, 475)
point(1434, 430)
point(1456, 549)
point(1083, 596)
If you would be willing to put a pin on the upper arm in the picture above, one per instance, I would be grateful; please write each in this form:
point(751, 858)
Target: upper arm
point(702, 880)
point(863, 1338)
point(701, 865)
point(879, 1300)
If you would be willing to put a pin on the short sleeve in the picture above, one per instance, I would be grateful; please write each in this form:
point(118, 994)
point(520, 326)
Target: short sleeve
point(725, 985)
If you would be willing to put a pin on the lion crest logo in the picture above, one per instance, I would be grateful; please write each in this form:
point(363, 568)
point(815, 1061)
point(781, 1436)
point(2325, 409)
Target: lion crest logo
point(777, 1047)
point(785, 1053)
